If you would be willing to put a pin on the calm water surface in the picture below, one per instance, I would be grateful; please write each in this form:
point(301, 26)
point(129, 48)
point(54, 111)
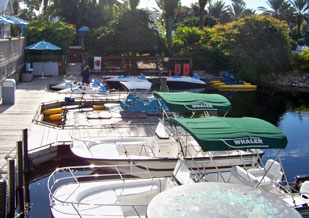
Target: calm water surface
point(287, 110)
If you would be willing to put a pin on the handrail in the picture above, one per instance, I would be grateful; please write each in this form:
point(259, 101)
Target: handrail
point(53, 183)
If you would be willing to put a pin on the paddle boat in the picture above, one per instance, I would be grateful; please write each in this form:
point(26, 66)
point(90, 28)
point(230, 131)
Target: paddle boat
point(229, 83)
point(129, 83)
point(185, 82)
point(134, 103)
point(227, 86)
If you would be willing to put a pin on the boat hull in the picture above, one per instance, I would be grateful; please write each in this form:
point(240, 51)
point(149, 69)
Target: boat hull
point(165, 166)
point(173, 84)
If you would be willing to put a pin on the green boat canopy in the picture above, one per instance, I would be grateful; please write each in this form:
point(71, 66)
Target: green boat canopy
point(187, 101)
point(225, 133)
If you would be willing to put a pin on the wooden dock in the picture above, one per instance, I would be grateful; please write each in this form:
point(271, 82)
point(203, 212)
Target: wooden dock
point(43, 140)
point(15, 118)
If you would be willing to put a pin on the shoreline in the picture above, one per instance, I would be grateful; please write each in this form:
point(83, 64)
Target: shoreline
point(288, 80)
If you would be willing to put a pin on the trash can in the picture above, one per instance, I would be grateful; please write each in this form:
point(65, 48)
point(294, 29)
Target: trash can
point(8, 91)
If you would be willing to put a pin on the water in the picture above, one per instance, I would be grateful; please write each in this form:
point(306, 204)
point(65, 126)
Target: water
point(287, 110)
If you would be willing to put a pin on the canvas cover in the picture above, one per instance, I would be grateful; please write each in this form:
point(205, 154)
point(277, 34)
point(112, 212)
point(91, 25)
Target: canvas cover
point(188, 101)
point(226, 133)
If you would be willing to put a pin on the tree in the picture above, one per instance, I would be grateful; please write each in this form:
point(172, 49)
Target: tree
point(276, 8)
point(134, 4)
point(89, 13)
point(129, 34)
point(238, 10)
point(219, 10)
point(58, 33)
point(256, 47)
point(202, 4)
point(169, 8)
point(301, 7)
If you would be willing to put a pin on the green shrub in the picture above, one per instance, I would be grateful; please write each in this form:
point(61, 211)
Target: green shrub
point(301, 62)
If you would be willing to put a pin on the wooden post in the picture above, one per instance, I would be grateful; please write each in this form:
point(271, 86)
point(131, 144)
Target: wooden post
point(25, 150)
point(11, 188)
point(26, 166)
point(19, 188)
point(2, 198)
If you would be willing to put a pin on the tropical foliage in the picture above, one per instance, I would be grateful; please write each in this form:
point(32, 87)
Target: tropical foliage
point(129, 35)
point(256, 47)
point(58, 33)
point(301, 62)
point(229, 34)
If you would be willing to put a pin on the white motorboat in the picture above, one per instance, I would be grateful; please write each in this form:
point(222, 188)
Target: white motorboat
point(98, 192)
point(66, 85)
point(84, 89)
point(161, 151)
point(200, 140)
point(129, 83)
point(185, 82)
point(269, 177)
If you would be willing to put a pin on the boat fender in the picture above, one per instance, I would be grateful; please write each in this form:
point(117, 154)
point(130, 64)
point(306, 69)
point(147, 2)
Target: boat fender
point(53, 111)
point(98, 107)
point(55, 117)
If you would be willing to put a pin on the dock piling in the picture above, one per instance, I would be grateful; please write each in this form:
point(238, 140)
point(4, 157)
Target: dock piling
point(11, 188)
point(25, 150)
point(26, 167)
point(2, 198)
point(19, 188)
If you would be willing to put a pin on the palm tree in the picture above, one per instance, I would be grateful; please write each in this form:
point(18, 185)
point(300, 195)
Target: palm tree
point(219, 10)
point(301, 7)
point(134, 4)
point(239, 10)
point(202, 4)
point(169, 9)
point(275, 10)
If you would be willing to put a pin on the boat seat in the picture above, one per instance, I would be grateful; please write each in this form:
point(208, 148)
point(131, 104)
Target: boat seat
point(161, 131)
point(304, 189)
point(134, 197)
point(182, 173)
point(253, 177)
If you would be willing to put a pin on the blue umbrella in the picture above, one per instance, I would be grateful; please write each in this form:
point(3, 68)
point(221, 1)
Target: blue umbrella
point(14, 20)
point(83, 29)
point(4, 20)
point(42, 45)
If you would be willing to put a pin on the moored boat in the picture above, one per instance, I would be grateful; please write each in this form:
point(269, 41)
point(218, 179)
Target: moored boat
point(185, 82)
point(231, 139)
point(129, 83)
point(90, 191)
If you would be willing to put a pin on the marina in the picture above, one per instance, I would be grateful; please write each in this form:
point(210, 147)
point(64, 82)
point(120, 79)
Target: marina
point(112, 116)
point(45, 134)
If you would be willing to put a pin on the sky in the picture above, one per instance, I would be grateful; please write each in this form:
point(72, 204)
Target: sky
point(253, 4)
